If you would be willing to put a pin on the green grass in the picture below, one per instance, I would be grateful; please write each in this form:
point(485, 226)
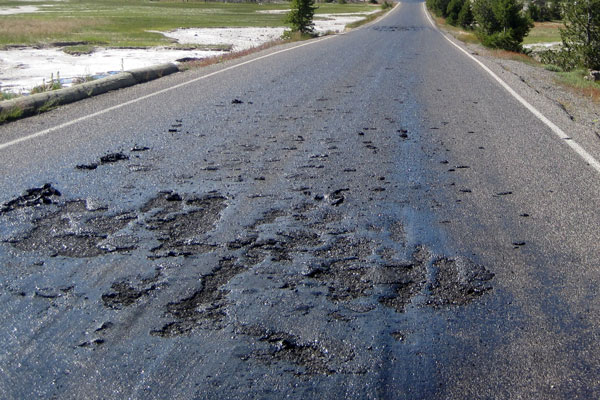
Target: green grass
point(575, 81)
point(7, 95)
point(544, 32)
point(10, 115)
point(552, 68)
point(125, 23)
point(77, 50)
point(48, 106)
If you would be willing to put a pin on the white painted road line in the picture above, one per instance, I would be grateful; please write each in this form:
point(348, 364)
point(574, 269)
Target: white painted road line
point(587, 157)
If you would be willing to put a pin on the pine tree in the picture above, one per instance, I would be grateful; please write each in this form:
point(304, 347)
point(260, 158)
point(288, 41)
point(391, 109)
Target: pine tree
point(502, 23)
point(581, 35)
point(465, 16)
point(301, 16)
point(453, 10)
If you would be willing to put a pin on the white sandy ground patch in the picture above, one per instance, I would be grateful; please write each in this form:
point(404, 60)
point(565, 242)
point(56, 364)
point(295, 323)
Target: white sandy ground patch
point(337, 22)
point(239, 38)
point(18, 10)
point(543, 46)
point(22, 69)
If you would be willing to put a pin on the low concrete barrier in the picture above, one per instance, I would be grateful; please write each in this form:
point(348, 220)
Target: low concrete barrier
point(30, 105)
point(150, 73)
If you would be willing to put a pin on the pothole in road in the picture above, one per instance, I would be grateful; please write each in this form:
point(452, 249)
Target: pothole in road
point(458, 281)
point(205, 308)
point(444, 281)
point(313, 357)
point(407, 280)
point(74, 231)
point(124, 294)
point(348, 274)
point(267, 218)
point(178, 223)
point(344, 269)
point(279, 248)
point(79, 230)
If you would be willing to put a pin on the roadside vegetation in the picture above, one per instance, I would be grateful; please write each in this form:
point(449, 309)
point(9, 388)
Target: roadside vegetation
point(580, 37)
point(506, 25)
point(500, 24)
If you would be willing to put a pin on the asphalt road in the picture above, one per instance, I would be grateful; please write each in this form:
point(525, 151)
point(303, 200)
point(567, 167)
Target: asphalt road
point(366, 216)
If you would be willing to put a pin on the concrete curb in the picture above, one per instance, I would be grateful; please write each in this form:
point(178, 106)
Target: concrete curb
point(30, 105)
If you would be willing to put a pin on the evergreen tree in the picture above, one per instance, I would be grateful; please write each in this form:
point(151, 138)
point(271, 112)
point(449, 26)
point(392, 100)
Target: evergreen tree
point(439, 7)
point(465, 16)
point(453, 10)
point(502, 23)
point(555, 10)
point(301, 16)
point(581, 36)
point(539, 10)
point(534, 12)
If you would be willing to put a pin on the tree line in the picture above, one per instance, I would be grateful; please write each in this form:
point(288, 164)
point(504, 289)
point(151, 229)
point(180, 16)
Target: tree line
point(504, 23)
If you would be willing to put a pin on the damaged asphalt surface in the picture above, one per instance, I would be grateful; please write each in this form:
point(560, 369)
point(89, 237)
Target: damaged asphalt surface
point(349, 219)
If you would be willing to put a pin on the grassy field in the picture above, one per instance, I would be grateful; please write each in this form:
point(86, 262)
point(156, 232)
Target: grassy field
point(544, 32)
point(125, 23)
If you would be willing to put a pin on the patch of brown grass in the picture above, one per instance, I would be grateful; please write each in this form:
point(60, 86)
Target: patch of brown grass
point(511, 55)
point(458, 33)
point(553, 25)
point(591, 92)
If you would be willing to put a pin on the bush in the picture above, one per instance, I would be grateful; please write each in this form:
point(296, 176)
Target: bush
point(501, 23)
point(563, 59)
point(386, 5)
